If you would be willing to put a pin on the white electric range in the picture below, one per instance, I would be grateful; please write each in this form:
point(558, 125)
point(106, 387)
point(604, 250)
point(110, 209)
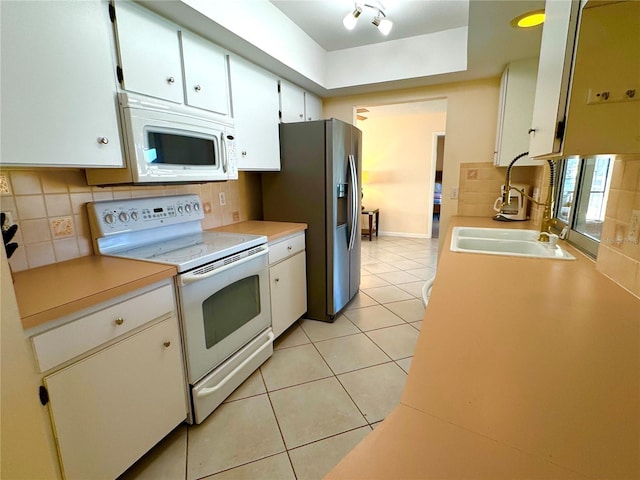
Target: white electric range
point(222, 286)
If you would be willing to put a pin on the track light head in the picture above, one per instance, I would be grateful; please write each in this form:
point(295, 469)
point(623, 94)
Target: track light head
point(380, 21)
point(350, 19)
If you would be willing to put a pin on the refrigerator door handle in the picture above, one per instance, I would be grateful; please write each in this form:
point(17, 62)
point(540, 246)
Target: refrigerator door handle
point(354, 201)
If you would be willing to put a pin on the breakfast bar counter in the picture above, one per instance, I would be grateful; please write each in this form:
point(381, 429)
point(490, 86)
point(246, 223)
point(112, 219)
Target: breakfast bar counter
point(524, 368)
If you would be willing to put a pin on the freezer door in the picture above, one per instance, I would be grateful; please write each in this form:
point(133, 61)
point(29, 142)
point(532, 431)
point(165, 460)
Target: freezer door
point(339, 196)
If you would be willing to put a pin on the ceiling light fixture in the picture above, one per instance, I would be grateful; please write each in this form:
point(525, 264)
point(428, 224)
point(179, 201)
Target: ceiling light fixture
point(528, 20)
point(380, 20)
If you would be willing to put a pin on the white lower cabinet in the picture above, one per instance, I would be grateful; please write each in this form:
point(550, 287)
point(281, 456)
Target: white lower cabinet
point(109, 408)
point(288, 282)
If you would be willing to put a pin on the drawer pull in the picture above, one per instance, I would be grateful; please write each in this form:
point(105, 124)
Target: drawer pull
point(171, 80)
point(119, 321)
point(167, 344)
point(277, 280)
point(289, 247)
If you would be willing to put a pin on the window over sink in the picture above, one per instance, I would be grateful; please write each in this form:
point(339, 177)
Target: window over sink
point(581, 203)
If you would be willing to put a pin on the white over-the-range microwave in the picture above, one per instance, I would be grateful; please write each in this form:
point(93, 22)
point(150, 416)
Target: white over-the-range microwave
point(169, 143)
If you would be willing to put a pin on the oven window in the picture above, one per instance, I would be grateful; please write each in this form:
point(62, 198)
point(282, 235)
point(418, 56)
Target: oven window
point(167, 148)
point(230, 308)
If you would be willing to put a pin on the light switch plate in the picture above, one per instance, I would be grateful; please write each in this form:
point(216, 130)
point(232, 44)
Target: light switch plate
point(223, 199)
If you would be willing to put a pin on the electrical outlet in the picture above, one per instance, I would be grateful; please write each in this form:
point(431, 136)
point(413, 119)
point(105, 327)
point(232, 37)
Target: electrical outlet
point(206, 206)
point(634, 227)
point(605, 95)
point(454, 193)
point(223, 198)
point(236, 215)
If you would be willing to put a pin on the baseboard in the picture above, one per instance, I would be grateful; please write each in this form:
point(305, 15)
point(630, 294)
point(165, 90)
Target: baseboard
point(406, 235)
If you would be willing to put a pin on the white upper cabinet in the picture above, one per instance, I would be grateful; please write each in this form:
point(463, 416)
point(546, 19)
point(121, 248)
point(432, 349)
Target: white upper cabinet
point(205, 74)
point(255, 103)
point(291, 103)
point(312, 107)
point(149, 53)
point(603, 116)
point(159, 59)
point(554, 70)
point(58, 85)
point(517, 91)
point(298, 105)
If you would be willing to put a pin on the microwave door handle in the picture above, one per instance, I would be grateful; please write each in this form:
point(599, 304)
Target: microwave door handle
point(210, 390)
point(189, 278)
point(223, 144)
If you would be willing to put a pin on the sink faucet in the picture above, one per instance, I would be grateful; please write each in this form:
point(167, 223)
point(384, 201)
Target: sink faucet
point(547, 215)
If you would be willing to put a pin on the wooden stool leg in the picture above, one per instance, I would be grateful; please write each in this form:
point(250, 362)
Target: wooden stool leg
point(370, 226)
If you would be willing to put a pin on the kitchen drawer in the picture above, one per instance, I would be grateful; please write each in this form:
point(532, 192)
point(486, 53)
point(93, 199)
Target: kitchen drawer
point(63, 343)
point(285, 248)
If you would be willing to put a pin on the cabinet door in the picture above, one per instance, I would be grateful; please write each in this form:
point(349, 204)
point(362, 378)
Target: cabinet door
point(254, 94)
point(516, 109)
point(552, 84)
point(291, 102)
point(312, 107)
point(149, 53)
point(113, 406)
point(58, 85)
point(288, 281)
point(205, 74)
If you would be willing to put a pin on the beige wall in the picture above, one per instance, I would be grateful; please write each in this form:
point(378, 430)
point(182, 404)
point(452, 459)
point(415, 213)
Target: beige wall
point(619, 258)
point(472, 109)
point(49, 207)
point(397, 159)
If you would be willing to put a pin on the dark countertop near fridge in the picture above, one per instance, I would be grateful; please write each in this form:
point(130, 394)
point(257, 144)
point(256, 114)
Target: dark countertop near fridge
point(524, 368)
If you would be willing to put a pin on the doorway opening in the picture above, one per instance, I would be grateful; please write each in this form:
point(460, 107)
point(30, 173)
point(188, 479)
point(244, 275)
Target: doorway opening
point(437, 164)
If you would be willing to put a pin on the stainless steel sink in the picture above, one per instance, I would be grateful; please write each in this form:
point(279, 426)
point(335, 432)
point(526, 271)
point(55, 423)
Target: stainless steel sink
point(504, 241)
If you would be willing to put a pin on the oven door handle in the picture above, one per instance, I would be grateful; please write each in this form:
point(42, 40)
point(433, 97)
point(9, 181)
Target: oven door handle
point(188, 278)
point(208, 391)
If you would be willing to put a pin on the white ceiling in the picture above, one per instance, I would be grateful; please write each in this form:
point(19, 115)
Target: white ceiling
point(492, 42)
point(322, 19)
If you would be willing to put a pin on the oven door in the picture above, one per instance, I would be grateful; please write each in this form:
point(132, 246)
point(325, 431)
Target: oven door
point(223, 310)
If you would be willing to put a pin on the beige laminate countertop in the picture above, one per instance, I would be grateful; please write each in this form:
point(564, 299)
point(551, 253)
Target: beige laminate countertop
point(524, 368)
point(53, 291)
point(272, 230)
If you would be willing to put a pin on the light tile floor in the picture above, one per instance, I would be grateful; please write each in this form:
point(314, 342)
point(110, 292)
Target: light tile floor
point(325, 387)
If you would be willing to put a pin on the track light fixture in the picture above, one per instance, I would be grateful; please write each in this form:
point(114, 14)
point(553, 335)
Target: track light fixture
point(380, 20)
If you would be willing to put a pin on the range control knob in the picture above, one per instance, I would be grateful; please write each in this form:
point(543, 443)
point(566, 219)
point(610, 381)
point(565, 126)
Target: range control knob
point(134, 215)
point(109, 218)
point(196, 206)
point(180, 209)
point(187, 208)
point(123, 217)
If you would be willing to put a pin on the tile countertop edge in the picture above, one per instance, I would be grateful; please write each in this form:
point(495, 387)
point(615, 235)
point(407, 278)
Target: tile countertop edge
point(272, 230)
point(88, 281)
point(528, 378)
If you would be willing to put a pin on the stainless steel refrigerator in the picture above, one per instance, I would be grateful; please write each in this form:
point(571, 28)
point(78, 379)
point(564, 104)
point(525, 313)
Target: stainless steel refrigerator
point(319, 184)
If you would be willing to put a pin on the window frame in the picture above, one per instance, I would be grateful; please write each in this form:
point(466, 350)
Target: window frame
point(582, 242)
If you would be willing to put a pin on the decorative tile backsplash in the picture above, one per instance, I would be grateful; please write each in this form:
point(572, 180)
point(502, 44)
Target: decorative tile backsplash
point(49, 208)
point(619, 255)
point(480, 184)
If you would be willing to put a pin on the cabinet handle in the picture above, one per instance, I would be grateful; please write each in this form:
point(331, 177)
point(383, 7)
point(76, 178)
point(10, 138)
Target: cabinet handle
point(301, 115)
point(171, 80)
point(167, 344)
point(197, 88)
point(119, 321)
point(244, 153)
point(277, 280)
point(103, 140)
point(531, 130)
point(289, 247)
